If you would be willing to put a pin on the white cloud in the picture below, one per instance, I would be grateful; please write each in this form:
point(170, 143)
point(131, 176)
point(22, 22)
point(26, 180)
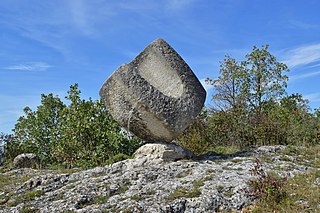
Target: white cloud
point(30, 66)
point(79, 16)
point(206, 86)
point(303, 55)
point(86, 16)
point(303, 25)
point(313, 97)
point(302, 76)
point(313, 66)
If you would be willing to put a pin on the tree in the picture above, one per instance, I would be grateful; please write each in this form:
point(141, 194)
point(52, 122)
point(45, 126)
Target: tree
point(38, 131)
point(82, 133)
point(244, 93)
point(295, 102)
point(299, 125)
point(265, 78)
point(230, 86)
point(250, 83)
point(88, 133)
point(6, 141)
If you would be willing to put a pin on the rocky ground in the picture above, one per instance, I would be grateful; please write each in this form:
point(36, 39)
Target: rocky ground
point(209, 183)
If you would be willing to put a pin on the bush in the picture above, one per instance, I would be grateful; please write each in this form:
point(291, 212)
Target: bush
point(81, 134)
point(196, 136)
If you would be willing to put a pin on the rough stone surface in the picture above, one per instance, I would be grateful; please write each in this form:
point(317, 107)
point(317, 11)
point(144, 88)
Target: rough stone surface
point(156, 95)
point(148, 185)
point(26, 160)
point(163, 151)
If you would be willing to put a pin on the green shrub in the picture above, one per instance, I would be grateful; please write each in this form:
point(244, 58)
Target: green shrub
point(117, 158)
point(81, 134)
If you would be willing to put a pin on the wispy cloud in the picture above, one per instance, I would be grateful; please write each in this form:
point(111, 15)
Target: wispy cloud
point(302, 76)
point(303, 55)
point(313, 66)
point(313, 97)
point(88, 17)
point(79, 16)
point(206, 86)
point(31, 66)
point(302, 25)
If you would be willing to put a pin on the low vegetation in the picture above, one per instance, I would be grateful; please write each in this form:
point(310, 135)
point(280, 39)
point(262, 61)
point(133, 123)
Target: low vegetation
point(282, 194)
point(187, 193)
point(267, 187)
point(302, 195)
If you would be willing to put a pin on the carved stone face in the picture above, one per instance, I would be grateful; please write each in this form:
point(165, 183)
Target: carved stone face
point(156, 96)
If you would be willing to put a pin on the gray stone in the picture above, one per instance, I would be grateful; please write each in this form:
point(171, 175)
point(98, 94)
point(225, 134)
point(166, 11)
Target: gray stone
point(26, 160)
point(156, 96)
point(163, 151)
point(129, 186)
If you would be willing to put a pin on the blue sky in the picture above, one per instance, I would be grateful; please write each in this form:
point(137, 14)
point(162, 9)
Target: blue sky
point(46, 46)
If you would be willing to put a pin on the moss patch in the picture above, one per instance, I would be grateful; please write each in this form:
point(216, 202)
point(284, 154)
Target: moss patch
point(183, 192)
point(26, 197)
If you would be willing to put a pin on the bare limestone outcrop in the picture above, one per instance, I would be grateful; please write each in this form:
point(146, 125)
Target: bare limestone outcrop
point(215, 183)
point(156, 96)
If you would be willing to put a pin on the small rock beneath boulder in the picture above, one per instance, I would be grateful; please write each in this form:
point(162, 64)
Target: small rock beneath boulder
point(163, 151)
point(26, 160)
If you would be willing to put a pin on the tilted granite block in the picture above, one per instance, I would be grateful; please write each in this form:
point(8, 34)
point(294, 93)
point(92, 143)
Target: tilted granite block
point(156, 96)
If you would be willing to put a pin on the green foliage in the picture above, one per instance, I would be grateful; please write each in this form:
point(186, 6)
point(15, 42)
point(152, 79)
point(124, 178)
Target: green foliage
point(118, 157)
point(9, 147)
point(245, 91)
point(196, 137)
point(249, 84)
point(88, 133)
point(231, 86)
point(251, 108)
point(38, 131)
point(81, 134)
point(293, 123)
point(265, 77)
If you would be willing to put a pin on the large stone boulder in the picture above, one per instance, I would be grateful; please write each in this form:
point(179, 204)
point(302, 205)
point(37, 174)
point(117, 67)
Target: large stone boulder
point(26, 160)
point(156, 96)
